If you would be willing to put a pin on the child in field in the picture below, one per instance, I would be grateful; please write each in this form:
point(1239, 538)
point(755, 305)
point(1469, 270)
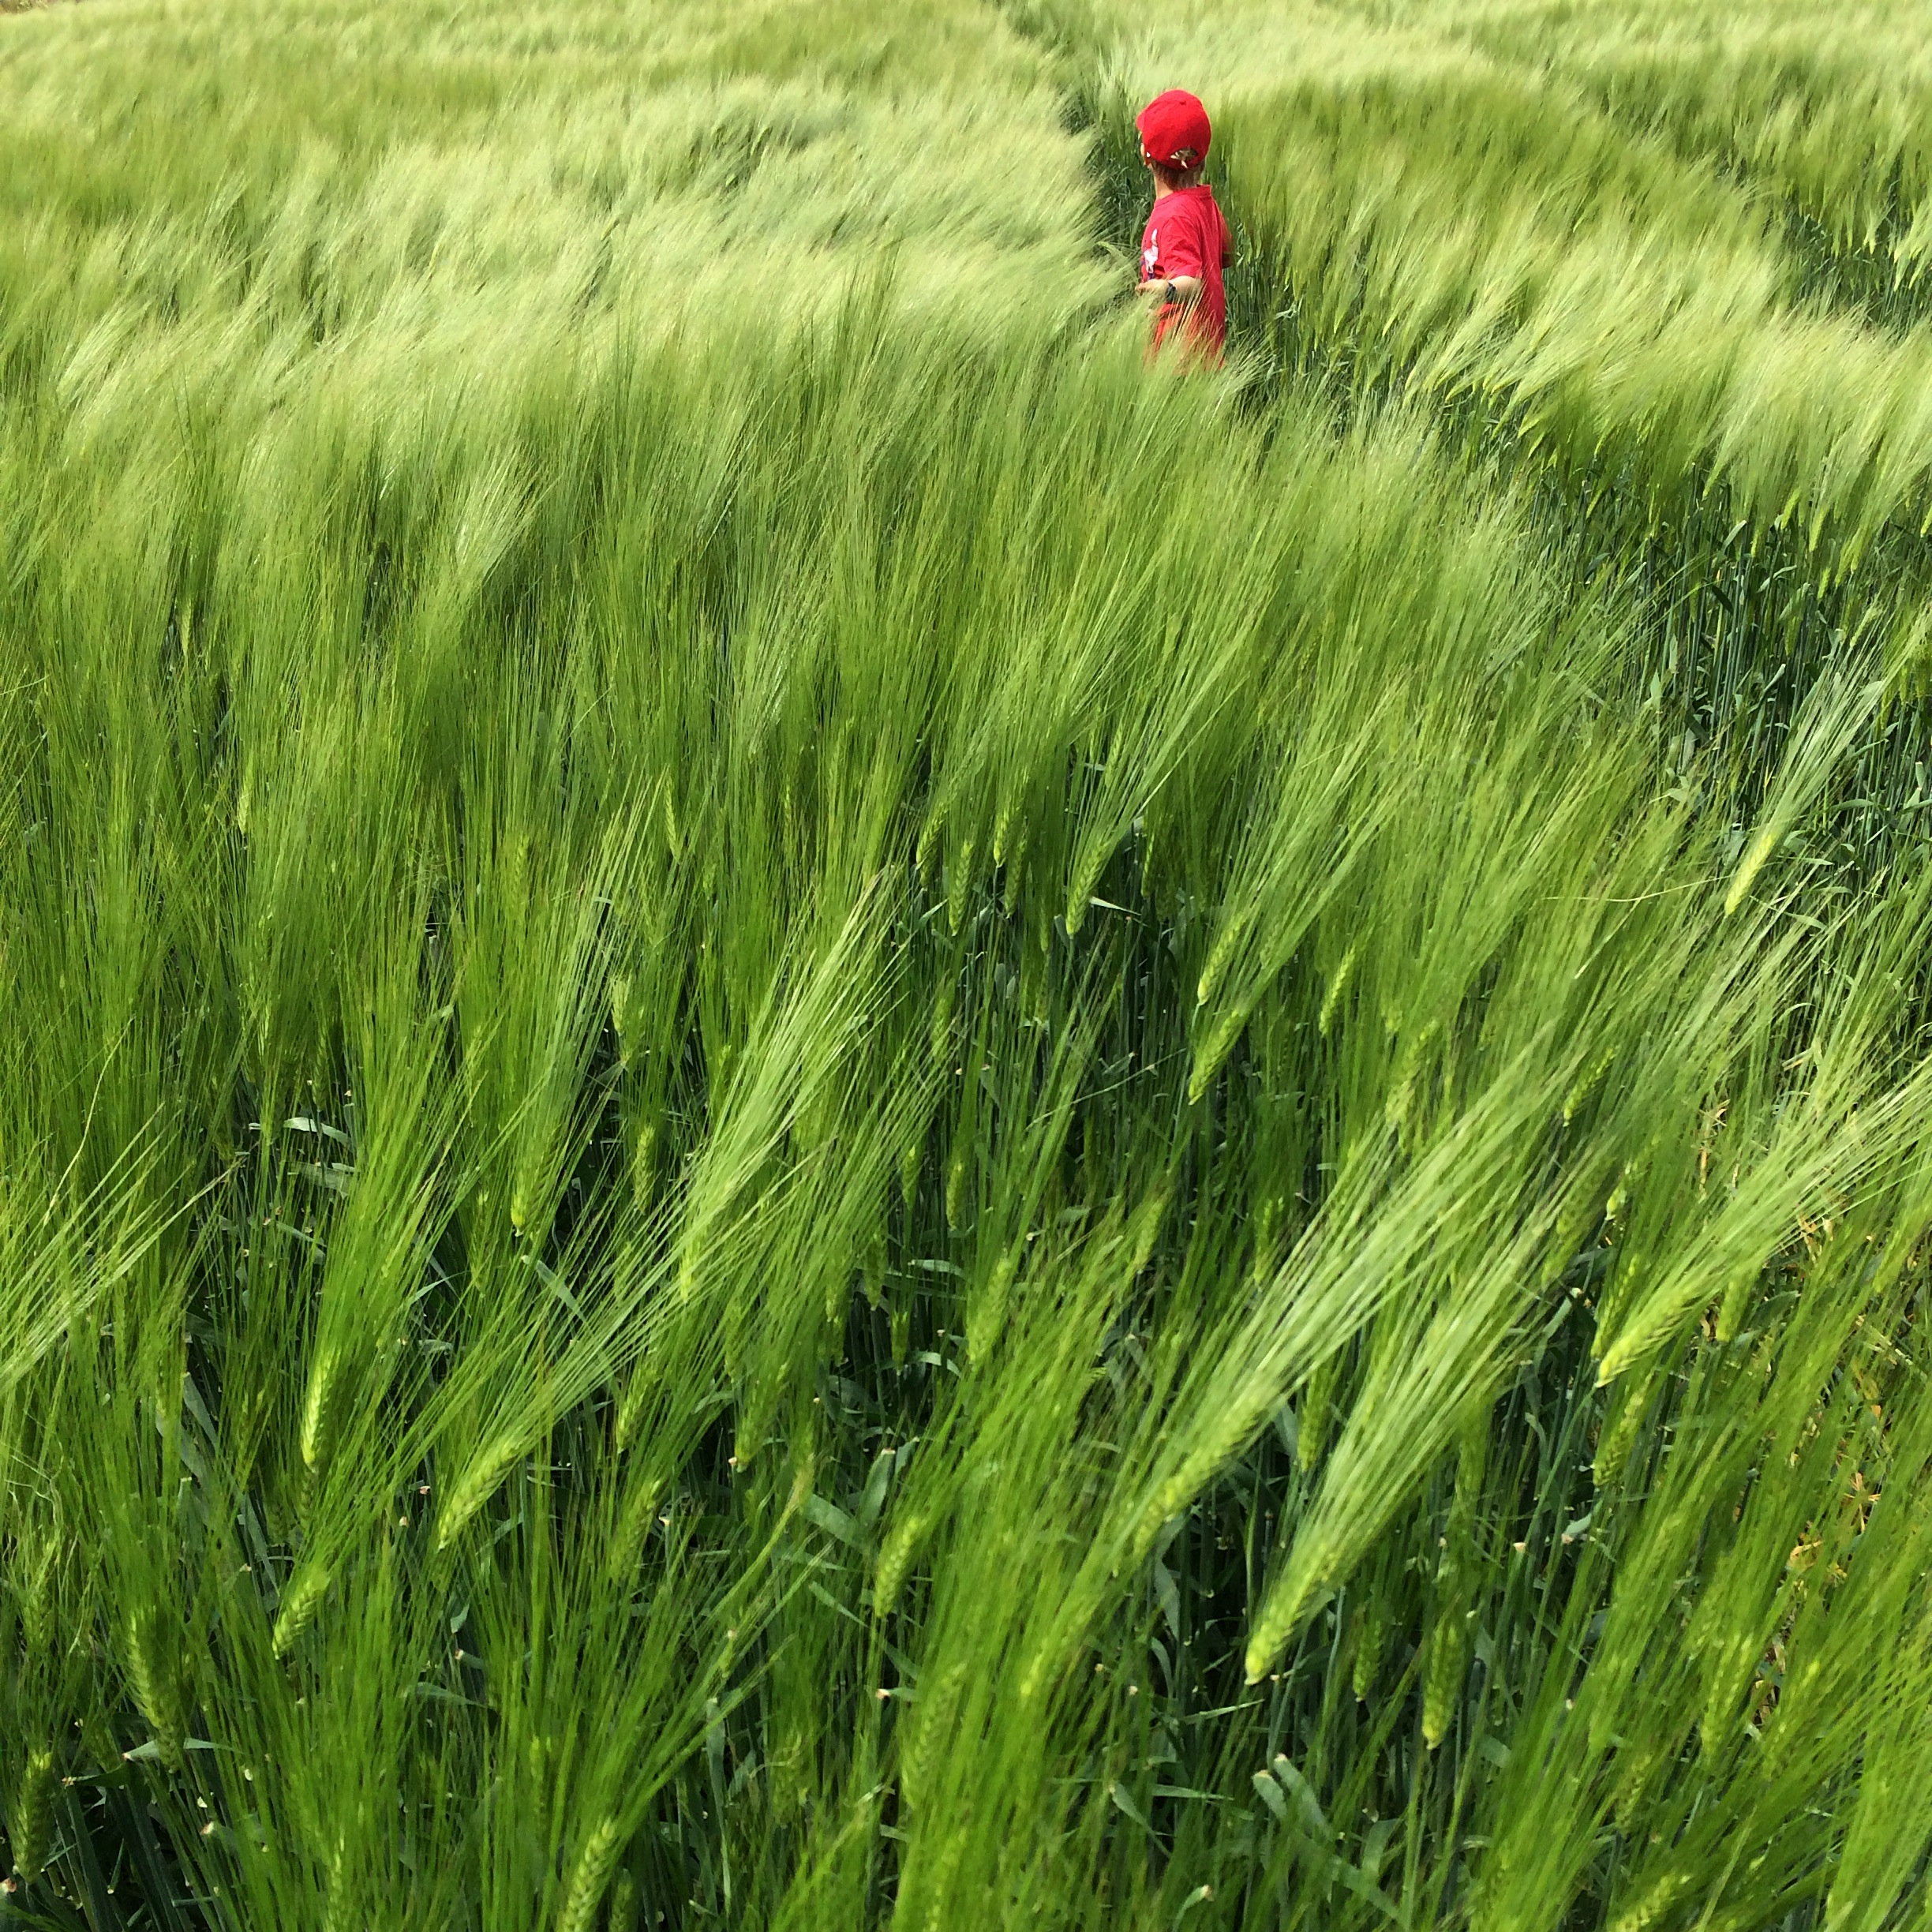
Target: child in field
point(1186, 245)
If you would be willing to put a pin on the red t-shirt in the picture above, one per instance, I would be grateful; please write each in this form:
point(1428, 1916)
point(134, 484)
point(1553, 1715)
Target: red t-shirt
point(1185, 235)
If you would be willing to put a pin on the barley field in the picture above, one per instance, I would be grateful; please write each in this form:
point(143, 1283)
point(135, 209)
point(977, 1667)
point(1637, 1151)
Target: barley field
point(820, 1111)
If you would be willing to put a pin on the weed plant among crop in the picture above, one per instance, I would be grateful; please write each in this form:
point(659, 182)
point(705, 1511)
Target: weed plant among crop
point(819, 1111)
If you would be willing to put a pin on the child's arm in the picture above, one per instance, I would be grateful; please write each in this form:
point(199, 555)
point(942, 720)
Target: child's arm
point(1181, 288)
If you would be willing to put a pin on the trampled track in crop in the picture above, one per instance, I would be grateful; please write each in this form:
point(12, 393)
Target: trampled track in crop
point(819, 1111)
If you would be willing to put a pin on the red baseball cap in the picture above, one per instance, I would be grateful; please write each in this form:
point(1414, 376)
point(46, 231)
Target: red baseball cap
point(1174, 130)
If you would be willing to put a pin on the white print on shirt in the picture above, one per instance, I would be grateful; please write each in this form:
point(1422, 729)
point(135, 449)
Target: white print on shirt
point(1150, 256)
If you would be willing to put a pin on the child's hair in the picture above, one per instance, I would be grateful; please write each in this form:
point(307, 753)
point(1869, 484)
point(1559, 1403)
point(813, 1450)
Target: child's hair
point(1167, 177)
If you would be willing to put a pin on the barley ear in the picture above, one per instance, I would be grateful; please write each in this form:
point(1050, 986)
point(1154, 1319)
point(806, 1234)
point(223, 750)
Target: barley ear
point(625, 1904)
point(1444, 1669)
point(300, 1602)
point(1317, 1406)
point(152, 1681)
point(30, 1815)
point(626, 1546)
point(1371, 1630)
point(476, 1487)
point(590, 1880)
point(318, 1419)
point(1760, 849)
